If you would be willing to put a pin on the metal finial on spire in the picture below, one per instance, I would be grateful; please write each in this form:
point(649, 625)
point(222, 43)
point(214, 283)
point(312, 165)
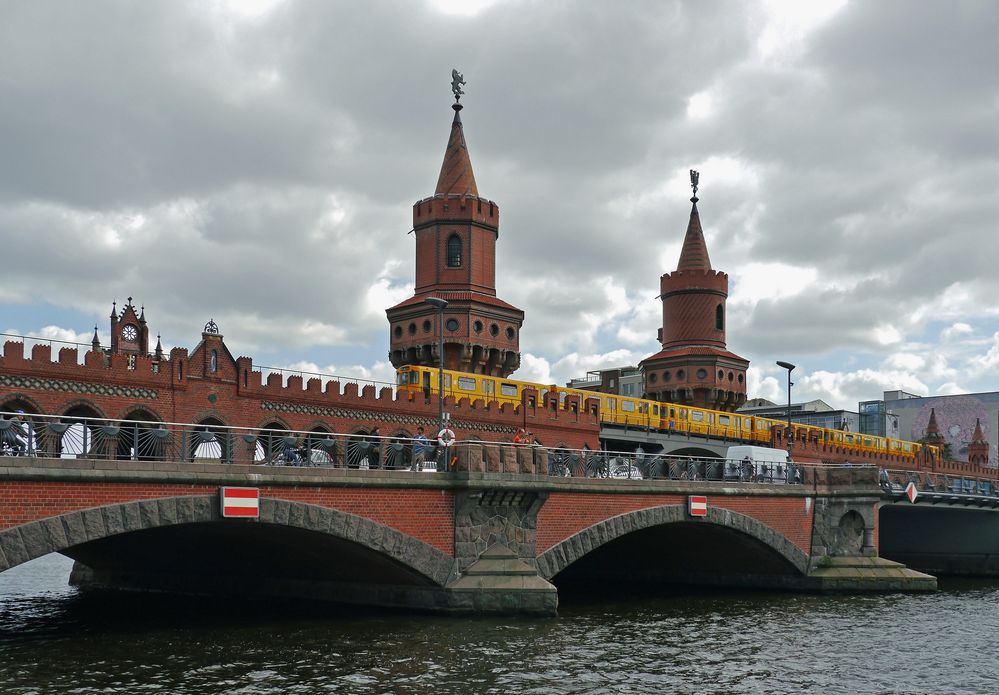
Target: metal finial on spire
point(457, 79)
point(694, 178)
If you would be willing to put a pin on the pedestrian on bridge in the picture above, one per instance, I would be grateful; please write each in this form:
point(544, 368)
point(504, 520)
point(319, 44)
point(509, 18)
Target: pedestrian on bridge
point(420, 444)
point(14, 437)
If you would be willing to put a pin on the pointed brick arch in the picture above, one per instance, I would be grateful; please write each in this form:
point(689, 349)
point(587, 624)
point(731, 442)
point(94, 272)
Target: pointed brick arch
point(29, 541)
point(560, 556)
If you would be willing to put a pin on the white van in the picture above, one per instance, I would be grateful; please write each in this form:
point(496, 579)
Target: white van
point(759, 463)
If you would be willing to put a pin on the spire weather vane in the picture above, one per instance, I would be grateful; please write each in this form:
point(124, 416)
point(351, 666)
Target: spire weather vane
point(694, 178)
point(457, 79)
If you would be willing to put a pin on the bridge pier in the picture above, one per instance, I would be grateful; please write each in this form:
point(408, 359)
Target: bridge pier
point(844, 556)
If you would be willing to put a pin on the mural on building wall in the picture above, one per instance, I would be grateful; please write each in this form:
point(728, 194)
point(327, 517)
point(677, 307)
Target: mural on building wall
point(956, 416)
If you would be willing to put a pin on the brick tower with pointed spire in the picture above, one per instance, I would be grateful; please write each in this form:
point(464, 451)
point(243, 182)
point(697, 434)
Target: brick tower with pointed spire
point(978, 447)
point(456, 233)
point(694, 367)
point(933, 435)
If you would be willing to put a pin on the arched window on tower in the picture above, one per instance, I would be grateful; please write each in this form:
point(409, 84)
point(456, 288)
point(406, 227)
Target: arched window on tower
point(454, 251)
point(720, 317)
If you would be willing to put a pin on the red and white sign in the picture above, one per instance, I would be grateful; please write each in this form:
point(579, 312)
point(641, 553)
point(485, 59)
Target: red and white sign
point(240, 502)
point(697, 505)
point(911, 492)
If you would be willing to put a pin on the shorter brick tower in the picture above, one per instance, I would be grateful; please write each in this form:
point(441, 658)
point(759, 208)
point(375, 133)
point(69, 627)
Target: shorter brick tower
point(456, 233)
point(978, 448)
point(694, 368)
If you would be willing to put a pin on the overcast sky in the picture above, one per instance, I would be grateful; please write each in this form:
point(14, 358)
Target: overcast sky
point(257, 162)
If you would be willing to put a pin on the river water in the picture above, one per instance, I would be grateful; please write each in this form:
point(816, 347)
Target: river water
point(54, 639)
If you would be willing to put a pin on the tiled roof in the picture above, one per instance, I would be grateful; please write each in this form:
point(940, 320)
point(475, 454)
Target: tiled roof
point(462, 296)
point(694, 255)
point(691, 351)
point(456, 172)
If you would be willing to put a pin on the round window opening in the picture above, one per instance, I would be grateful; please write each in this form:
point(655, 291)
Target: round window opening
point(666, 376)
point(702, 374)
point(652, 378)
point(721, 375)
point(510, 333)
point(679, 374)
point(730, 376)
point(426, 326)
point(740, 378)
point(398, 331)
point(478, 326)
point(493, 330)
point(412, 329)
point(452, 324)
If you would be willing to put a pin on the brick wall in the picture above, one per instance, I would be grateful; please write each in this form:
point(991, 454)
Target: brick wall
point(427, 515)
point(565, 514)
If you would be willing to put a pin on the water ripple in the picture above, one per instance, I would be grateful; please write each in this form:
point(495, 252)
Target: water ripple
point(54, 640)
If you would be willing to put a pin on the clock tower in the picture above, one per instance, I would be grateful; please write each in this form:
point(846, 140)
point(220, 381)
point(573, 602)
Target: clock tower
point(129, 333)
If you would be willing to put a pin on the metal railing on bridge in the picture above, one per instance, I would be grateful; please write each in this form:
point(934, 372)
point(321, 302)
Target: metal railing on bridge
point(72, 437)
point(941, 487)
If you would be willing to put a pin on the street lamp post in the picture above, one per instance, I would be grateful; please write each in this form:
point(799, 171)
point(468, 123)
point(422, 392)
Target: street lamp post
point(789, 367)
point(440, 305)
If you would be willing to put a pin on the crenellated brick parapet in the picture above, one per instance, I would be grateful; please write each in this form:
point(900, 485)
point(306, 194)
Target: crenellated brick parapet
point(222, 390)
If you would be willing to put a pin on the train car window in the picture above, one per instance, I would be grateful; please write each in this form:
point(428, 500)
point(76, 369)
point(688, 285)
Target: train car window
point(868, 441)
point(683, 413)
point(711, 418)
point(628, 406)
point(508, 389)
point(447, 382)
point(724, 420)
point(848, 438)
point(466, 384)
point(747, 422)
point(655, 410)
point(906, 447)
point(839, 437)
point(643, 407)
point(697, 417)
point(611, 404)
point(402, 378)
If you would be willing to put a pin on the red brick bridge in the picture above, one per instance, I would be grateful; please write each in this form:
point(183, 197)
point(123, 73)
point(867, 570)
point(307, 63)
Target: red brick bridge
point(494, 534)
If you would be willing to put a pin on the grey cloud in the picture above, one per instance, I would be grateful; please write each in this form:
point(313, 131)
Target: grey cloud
point(873, 156)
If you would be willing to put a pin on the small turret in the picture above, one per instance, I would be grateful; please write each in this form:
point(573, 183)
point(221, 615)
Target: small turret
point(978, 447)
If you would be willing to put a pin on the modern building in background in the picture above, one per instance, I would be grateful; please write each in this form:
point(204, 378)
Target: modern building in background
point(817, 413)
point(956, 418)
point(620, 381)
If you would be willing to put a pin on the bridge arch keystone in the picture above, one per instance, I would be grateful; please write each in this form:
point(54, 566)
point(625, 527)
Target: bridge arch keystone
point(563, 554)
point(26, 542)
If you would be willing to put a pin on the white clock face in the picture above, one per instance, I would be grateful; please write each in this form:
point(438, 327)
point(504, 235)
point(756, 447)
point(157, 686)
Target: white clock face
point(129, 332)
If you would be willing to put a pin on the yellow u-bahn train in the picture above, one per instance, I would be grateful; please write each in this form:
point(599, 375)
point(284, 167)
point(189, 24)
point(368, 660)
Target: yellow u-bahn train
point(645, 413)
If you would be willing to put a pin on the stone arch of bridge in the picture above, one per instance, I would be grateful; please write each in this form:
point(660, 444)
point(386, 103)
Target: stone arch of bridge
point(26, 542)
point(561, 555)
